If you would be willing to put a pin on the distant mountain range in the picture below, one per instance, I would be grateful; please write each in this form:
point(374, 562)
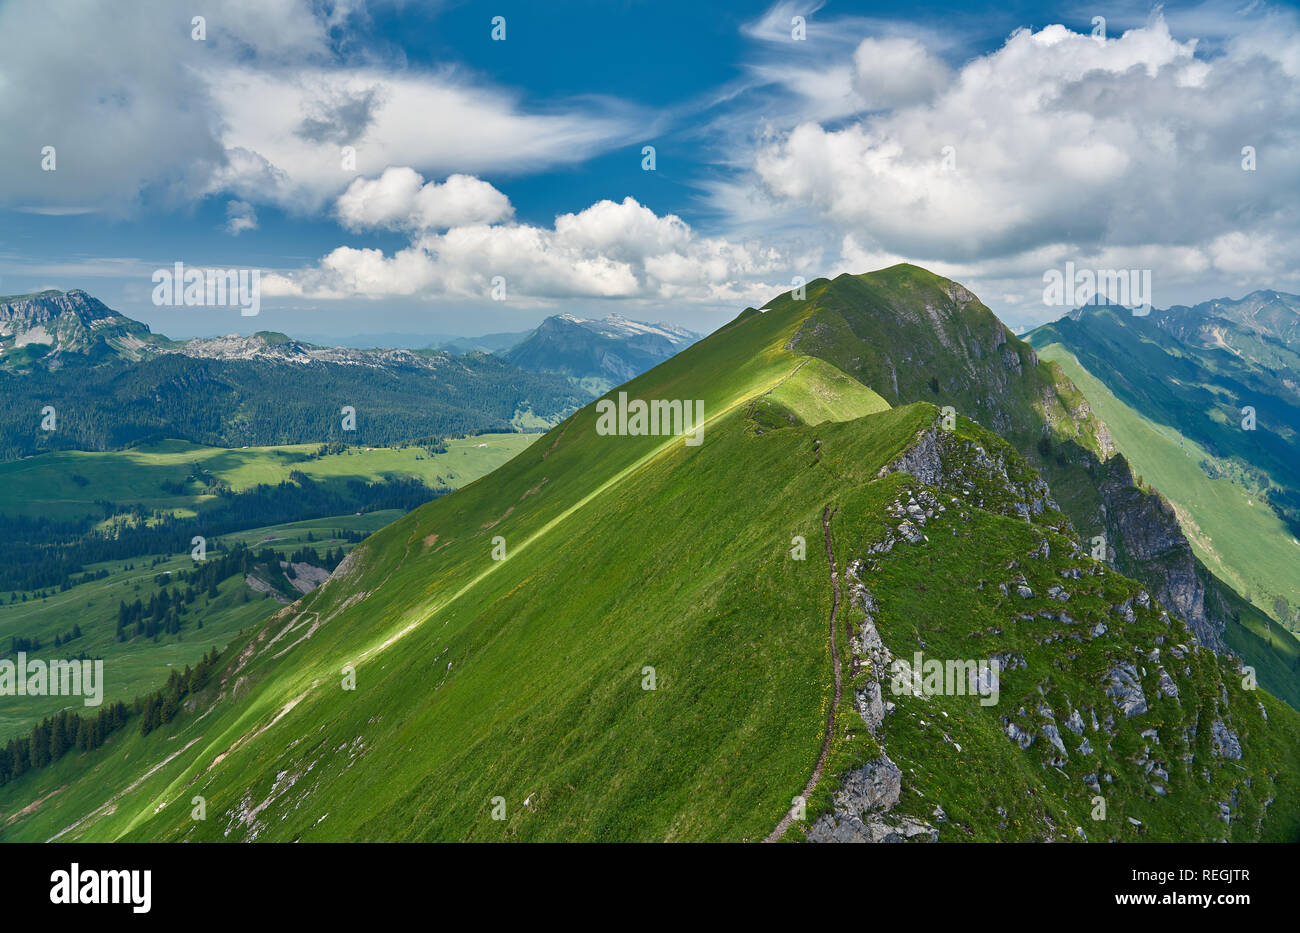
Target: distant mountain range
point(597, 353)
point(112, 383)
point(1197, 367)
point(486, 343)
point(1205, 402)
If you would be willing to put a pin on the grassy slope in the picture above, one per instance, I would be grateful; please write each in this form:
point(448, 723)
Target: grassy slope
point(523, 678)
point(436, 615)
point(44, 486)
point(1239, 537)
point(897, 331)
point(954, 754)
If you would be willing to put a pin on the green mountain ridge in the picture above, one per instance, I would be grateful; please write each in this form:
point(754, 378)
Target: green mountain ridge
point(913, 336)
point(651, 659)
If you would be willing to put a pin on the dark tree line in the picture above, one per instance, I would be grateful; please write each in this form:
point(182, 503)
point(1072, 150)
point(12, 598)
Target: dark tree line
point(55, 736)
point(161, 706)
point(39, 553)
point(114, 403)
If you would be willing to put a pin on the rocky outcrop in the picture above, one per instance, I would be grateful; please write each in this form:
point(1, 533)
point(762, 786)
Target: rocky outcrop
point(988, 477)
point(862, 809)
point(73, 322)
point(48, 307)
point(1149, 545)
point(1224, 742)
point(1126, 689)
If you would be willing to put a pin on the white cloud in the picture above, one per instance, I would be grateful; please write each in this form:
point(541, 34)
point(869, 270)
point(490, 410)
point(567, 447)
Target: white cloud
point(626, 230)
point(608, 250)
point(400, 200)
point(141, 113)
point(240, 216)
point(896, 72)
point(438, 123)
point(1064, 146)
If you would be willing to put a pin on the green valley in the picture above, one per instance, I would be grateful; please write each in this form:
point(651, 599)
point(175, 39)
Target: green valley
point(1229, 524)
point(137, 666)
point(178, 477)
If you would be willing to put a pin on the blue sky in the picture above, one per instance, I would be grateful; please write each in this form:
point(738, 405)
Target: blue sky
point(776, 156)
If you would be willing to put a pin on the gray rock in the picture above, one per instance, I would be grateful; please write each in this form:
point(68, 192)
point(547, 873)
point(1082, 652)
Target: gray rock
point(1075, 722)
point(875, 786)
point(1223, 741)
point(1167, 686)
point(870, 706)
point(1126, 689)
point(861, 806)
point(1054, 736)
point(1018, 735)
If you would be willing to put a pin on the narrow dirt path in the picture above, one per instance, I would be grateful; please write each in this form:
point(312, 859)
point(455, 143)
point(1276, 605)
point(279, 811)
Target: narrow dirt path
point(781, 827)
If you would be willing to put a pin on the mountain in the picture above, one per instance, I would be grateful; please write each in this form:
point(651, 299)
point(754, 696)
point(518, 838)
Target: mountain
point(1177, 384)
point(598, 354)
point(624, 636)
point(48, 327)
point(487, 343)
point(911, 338)
point(112, 383)
point(1264, 327)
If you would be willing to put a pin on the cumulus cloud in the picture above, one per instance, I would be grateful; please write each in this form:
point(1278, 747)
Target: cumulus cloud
point(896, 72)
point(608, 250)
point(139, 112)
point(400, 200)
point(1058, 145)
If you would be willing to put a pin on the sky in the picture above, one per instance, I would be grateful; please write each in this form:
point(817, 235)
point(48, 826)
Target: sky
point(459, 168)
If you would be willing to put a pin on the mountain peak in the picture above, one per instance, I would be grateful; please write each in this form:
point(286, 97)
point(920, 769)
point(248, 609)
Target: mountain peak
point(50, 324)
point(599, 354)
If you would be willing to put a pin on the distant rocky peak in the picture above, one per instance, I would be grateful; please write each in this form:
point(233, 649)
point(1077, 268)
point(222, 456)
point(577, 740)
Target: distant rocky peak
point(50, 305)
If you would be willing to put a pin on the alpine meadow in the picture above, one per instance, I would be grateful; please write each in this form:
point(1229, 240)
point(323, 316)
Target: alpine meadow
point(772, 422)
